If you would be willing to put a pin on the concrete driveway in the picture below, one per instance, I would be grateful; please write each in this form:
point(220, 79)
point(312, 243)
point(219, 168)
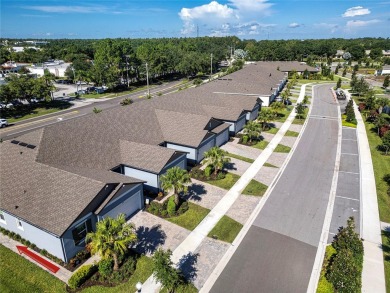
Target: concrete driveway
point(241, 150)
point(203, 194)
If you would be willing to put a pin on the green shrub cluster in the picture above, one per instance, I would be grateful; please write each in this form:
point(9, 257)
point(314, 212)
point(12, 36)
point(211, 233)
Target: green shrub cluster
point(208, 170)
point(107, 275)
point(344, 270)
point(17, 237)
point(168, 208)
point(81, 275)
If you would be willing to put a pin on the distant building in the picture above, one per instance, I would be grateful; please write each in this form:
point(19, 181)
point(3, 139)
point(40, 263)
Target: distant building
point(56, 67)
point(386, 53)
point(384, 71)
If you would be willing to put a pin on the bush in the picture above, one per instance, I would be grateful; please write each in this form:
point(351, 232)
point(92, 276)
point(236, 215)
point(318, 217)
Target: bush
point(221, 175)
point(44, 252)
point(171, 208)
point(164, 213)
point(17, 237)
point(128, 267)
point(245, 139)
point(81, 275)
point(105, 267)
point(183, 208)
point(209, 169)
point(197, 81)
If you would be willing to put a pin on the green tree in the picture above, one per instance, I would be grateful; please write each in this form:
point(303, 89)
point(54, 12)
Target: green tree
point(386, 81)
point(350, 112)
point(175, 179)
point(344, 72)
point(371, 101)
point(386, 142)
point(360, 86)
point(112, 238)
point(300, 110)
point(252, 129)
point(338, 85)
point(277, 107)
point(305, 99)
point(379, 122)
point(376, 53)
point(265, 116)
point(217, 158)
point(164, 270)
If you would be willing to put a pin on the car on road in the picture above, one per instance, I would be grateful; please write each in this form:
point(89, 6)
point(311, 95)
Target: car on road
point(3, 123)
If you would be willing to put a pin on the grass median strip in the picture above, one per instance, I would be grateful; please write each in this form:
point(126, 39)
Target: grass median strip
point(255, 188)
point(291, 133)
point(270, 165)
point(280, 148)
point(248, 160)
point(261, 144)
point(191, 218)
point(225, 183)
point(226, 229)
point(272, 130)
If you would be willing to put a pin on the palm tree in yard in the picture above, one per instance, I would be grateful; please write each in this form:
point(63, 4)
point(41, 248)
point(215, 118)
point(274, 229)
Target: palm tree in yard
point(277, 107)
point(265, 116)
point(175, 179)
point(252, 129)
point(217, 158)
point(112, 238)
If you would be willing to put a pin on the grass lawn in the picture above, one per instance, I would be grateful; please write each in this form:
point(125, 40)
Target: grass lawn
point(270, 165)
point(19, 275)
point(226, 183)
point(291, 133)
point(261, 145)
point(186, 288)
point(248, 160)
point(282, 115)
point(324, 286)
point(226, 229)
point(299, 121)
point(255, 188)
point(386, 255)
point(272, 130)
point(191, 218)
point(36, 113)
point(280, 148)
point(345, 123)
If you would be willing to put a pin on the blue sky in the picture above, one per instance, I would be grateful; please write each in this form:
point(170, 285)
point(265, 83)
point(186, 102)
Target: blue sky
point(247, 19)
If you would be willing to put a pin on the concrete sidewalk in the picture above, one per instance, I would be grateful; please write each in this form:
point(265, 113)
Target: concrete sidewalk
point(373, 277)
point(192, 242)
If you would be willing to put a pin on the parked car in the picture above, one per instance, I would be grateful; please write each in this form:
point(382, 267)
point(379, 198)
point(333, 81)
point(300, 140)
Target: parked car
point(80, 92)
point(90, 89)
point(3, 123)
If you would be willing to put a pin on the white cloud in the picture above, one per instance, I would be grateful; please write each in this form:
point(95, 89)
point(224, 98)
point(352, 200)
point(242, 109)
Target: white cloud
point(223, 19)
point(294, 25)
point(356, 11)
point(360, 23)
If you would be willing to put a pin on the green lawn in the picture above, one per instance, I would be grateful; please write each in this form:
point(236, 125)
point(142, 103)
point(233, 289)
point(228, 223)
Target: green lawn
point(191, 218)
point(270, 165)
point(37, 112)
point(226, 229)
point(291, 133)
point(261, 145)
point(255, 188)
point(386, 255)
point(381, 168)
point(280, 148)
point(282, 115)
point(20, 275)
point(248, 160)
point(226, 183)
point(299, 121)
point(272, 130)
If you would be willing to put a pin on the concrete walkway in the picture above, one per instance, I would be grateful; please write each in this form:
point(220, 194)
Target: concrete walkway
point(195, 238)
point(373, 277)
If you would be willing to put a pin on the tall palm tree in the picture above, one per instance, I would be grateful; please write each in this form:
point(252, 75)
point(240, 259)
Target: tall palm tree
point(175, 179)
point(112, 238)
point(252, 129)
point(277, 106)
point(217, 158)
point(265, 116)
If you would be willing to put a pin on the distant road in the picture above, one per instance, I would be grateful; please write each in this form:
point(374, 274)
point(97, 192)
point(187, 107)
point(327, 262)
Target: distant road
point(278, 252)
point(25, 126)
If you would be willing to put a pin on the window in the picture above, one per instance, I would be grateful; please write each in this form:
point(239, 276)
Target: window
point(19, 224)
point(81, 231)
point(2, 218)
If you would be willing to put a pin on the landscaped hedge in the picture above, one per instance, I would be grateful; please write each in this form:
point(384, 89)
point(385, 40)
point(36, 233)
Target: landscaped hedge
point(81, 275)
point(161, 210)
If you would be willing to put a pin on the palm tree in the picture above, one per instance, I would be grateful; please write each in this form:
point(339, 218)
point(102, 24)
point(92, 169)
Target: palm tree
point(277, 106)
point(300, 110)
point(177, 179)
point(265, 116)
point(252, 129)
point(112, 238)
point(217, 158)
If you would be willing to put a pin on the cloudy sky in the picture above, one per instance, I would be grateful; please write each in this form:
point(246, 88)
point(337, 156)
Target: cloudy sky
point(247, 19)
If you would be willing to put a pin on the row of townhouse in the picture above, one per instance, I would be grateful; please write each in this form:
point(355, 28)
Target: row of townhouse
point(58, 181)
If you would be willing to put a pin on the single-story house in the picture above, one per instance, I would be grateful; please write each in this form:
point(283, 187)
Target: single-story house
point(384, 71)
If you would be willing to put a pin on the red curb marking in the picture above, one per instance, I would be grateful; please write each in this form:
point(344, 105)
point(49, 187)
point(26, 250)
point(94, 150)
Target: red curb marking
point(37, 258)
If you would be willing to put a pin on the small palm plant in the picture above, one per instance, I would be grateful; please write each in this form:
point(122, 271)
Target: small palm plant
point(176, 179)
point(252, 129)
point(112, 238)
point(217, 158)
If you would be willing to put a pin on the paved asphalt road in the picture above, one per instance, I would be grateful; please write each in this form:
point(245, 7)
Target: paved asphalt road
point(22, 127)
point(277, 254)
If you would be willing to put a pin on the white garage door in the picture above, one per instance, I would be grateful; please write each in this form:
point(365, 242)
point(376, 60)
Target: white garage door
point(222, 137)
point(127, 206)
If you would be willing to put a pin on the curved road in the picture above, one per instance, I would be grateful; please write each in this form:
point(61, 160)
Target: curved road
point(278, 252)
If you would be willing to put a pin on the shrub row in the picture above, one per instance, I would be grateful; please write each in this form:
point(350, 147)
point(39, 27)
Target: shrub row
point(81, 275)
point(17, 237)
point(168, 208)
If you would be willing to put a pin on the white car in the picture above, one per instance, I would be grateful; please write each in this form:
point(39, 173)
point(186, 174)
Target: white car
point(3, 123)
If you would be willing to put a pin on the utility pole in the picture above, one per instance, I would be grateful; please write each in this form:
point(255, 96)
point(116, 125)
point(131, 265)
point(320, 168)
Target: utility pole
point(147, 79)
point(211, 66)
point(127, 70)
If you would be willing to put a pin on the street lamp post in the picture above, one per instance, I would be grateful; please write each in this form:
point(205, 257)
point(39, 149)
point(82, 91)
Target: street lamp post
point(147, 79)
point(211, 66)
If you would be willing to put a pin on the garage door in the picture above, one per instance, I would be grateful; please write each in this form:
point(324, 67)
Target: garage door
point(128, 206)
point(222, 137)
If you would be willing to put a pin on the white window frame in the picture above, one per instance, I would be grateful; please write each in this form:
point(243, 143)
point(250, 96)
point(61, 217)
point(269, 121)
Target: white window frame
point(19, 224)
point(2, 218)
